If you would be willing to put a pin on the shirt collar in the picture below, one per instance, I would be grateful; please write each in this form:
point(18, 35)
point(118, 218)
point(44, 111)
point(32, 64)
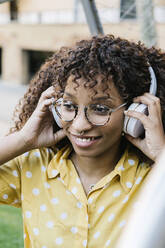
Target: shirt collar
point(126, 167)
point(57, 164)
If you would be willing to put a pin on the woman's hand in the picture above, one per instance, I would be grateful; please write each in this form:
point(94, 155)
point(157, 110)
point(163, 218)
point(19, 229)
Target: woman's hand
point(154, 140)
point(38, 130)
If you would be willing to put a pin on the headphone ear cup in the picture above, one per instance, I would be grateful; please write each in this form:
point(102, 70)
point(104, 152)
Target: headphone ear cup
point(56, 117)
point(133, 126)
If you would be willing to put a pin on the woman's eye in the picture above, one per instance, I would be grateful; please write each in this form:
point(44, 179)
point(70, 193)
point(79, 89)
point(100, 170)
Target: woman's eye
point(68, 106)
point(100, 109)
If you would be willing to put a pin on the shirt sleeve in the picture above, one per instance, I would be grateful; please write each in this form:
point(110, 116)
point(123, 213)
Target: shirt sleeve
point(10, 182)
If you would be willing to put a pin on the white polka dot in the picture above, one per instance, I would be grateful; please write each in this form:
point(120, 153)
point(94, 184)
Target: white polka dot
point(89, 226)
point(54, 173)
point(101, 209)
point(55, 201)
point(79, 204)
point(131, 162)
point(68, 192)
point(24, 235)
point(61, 161)
point(50, 224)
point(74, 190)
point(59, 179)
point(116, 193)
point(49, 150)
point(15, 173)
point(111, 217)
point(125, 199)
point(5, 196)
point(129, 185)
point(28, 174)
point(43, 168)
point(26, 154)
point(12, 186)
point(122, 223)
point(37, 154)
point(107, 243)
point(22, 197)
point(96, 235)
point(43, 207)
point(28, 214)
point(47, 185)
point(121, 168)
point(106, 186)
point(85, 243)
point(15, 201)
point(74, 229)
point(90, 200)
point(138, 180)
point(78, 180)
point(64, 216)
point(36, 191)
point(59, 241)
point(35, 231)
point(87, 218)
point(44, 246)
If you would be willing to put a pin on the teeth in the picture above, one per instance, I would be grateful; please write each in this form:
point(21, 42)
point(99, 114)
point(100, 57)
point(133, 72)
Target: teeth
point(85, 140)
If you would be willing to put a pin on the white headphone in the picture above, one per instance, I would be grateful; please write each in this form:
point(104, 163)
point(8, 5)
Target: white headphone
point(132, 126)
point(55, 115)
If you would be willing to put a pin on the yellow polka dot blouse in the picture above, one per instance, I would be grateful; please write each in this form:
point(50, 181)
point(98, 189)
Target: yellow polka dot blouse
point(56, 211)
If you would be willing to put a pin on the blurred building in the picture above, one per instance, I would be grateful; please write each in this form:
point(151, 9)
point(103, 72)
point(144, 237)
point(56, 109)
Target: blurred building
point(31, 29)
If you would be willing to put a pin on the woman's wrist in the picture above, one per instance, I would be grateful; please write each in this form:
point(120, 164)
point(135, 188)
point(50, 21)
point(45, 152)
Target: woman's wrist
point(27, 143)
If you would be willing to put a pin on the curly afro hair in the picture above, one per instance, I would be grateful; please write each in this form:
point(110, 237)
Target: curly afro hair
point(124, 61)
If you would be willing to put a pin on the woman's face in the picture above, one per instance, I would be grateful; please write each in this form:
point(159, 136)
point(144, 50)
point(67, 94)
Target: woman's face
point(96, 140)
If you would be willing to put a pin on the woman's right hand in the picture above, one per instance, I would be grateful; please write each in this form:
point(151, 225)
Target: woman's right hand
point(38, 130)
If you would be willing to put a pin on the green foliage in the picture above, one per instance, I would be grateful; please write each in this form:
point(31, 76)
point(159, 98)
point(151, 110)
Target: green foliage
point(11, 227)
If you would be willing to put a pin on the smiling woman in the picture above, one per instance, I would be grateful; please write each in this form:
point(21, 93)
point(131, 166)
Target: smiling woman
point(78, 183)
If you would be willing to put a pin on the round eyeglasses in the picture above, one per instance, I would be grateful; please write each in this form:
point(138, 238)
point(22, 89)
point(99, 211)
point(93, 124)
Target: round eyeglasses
point(96, 114)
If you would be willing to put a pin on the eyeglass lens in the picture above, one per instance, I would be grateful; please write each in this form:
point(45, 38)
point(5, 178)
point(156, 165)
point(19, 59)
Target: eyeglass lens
point(96, 114)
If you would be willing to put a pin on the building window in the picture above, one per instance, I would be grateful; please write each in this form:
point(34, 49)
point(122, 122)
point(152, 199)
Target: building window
point(127, 9)
point(34, 59)
point(13, 10)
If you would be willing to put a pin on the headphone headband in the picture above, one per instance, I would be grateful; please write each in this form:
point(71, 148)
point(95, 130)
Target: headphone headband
point(153, 86)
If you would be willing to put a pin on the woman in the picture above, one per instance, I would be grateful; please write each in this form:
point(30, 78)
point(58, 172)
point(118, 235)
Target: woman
point(77, 185)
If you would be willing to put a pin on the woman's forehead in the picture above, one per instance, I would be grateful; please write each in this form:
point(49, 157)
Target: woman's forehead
point(100, 90)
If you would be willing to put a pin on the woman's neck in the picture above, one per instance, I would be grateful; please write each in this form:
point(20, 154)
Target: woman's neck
point(92, 169)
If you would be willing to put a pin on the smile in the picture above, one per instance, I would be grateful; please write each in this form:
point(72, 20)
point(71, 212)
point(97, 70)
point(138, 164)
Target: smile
point(84, 141)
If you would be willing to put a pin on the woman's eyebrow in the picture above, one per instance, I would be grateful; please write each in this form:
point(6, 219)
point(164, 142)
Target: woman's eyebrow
point(70, 95)
point(99, 98)
point(103, 98)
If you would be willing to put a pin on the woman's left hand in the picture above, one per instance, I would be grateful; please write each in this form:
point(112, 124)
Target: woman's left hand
point(154, 140)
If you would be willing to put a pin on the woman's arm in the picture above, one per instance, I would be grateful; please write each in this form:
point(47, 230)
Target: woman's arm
point(12, 146)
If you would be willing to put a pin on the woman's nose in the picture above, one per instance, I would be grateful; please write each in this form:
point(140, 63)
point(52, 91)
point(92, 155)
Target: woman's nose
point(80, 123)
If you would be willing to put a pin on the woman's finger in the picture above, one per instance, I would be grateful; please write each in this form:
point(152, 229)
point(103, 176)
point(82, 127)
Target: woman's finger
point(43, 107)
point(47, 94)
point(135, 141)
point(59, 135)
point(153, 104)
point(138, 115)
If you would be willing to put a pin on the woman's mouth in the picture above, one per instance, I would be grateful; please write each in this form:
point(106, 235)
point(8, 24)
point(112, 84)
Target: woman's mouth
point(84, 141)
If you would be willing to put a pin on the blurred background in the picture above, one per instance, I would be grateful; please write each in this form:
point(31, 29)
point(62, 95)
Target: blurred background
point(30, 30)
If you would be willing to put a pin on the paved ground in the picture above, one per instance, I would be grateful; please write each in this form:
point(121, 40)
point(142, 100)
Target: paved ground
point(9, 97)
